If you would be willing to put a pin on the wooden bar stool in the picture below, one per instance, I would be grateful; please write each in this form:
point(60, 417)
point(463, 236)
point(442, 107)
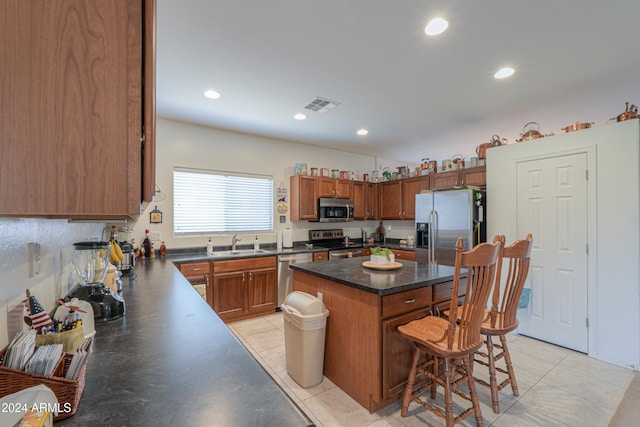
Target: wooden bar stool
point(501, 318)
point(449, 345)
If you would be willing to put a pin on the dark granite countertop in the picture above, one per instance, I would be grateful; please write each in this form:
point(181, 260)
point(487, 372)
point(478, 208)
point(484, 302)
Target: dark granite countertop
point(351, 272)
point(199, 254)
point(171, 361)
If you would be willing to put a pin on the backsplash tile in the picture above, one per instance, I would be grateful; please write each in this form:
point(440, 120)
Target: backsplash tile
point(55, 278)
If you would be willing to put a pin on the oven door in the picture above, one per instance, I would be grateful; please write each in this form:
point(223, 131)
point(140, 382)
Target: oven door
point(345, 253)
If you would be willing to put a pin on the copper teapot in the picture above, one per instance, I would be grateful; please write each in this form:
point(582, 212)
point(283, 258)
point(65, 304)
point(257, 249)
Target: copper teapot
point(630, 112)
point(530, 131)
point(496, 141)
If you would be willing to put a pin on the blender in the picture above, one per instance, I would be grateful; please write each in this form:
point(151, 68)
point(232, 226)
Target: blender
point(90, 264)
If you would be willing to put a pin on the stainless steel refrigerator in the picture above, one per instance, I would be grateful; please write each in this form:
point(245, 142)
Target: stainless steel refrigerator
point(442, 217)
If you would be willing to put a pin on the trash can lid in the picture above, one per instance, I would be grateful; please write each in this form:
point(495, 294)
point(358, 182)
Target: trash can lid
point(305, 303)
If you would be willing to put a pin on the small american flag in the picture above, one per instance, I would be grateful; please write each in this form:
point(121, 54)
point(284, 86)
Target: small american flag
point(39, 317)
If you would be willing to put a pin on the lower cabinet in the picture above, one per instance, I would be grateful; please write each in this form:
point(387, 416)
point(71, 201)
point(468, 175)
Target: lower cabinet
point(198, 274)
point(245, 288)
point(395, 348)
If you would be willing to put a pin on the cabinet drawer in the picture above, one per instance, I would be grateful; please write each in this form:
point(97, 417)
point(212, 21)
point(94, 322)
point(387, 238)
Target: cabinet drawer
point(194, 268)
point(404, 302)
point(408, 255)
point(442, 291)
point(321, 256)
point(244, 264)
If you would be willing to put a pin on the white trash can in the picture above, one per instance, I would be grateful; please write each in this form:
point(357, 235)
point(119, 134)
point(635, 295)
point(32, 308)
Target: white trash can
point(305, 325)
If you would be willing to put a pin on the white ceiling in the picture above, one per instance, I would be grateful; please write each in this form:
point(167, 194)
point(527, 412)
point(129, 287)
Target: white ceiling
point(419, 96)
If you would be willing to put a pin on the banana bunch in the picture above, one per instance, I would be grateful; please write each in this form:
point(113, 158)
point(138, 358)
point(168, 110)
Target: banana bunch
point(116, 253)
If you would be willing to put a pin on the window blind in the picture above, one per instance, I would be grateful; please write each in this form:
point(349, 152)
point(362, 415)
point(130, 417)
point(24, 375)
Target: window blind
point(206, 202)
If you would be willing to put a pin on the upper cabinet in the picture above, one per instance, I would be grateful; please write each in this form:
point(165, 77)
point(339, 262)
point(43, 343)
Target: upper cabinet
point(365, 200)
point(78, 97)
point(335, 188)
point(304, 197)
point(475, 176)
point(397, 198)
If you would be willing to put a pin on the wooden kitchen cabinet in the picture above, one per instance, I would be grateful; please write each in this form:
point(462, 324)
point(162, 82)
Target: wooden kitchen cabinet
point(335, 188)
point(304, 197)
point(365, 200)
point(397, 198)
point(400, 254)
point(78, 134)
point(198, 274)
point(244, 288)
point(471, 176)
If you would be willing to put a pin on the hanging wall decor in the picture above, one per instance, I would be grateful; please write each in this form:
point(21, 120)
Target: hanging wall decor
point(155, 216)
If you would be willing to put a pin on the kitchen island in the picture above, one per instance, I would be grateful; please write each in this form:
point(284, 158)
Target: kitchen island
point(171, 361)
point(364, 354)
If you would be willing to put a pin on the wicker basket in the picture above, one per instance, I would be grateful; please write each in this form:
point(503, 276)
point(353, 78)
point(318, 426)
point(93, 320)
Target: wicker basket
point(68, 392)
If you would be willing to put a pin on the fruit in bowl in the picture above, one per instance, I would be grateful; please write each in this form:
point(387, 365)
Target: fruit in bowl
point(382, 256)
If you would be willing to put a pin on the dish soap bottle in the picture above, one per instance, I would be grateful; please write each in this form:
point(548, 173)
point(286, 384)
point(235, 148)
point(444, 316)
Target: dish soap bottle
point(209, 247)
point(256, 244)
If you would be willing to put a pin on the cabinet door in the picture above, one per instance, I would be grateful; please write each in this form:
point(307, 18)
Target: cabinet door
point(397, 354)
point(445, 180)
point(343, 189)
point(74, 83)
point(359, 201)
point(262, 290)
point(390, 200)
point(326, 187)
point(304, 197)
point(371, 201)
point(229, 294)
point(411, 187)
point(475, 176)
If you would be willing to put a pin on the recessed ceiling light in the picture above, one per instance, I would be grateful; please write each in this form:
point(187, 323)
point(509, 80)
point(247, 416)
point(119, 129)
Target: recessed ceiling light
point(362, 132)
point(436, 26)
point(503, 73)
point(299, 116)
point(212, 94)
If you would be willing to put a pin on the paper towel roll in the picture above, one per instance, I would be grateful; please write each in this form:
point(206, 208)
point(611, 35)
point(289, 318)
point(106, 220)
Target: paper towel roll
point(287, 238)
point(279, 240)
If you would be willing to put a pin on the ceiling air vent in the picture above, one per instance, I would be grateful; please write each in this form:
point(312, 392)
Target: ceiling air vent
point(322, 105)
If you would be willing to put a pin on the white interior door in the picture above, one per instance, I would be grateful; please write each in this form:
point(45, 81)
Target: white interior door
point(552, 205)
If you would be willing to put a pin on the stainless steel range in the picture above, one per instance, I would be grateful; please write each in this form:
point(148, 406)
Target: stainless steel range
point(339, 245)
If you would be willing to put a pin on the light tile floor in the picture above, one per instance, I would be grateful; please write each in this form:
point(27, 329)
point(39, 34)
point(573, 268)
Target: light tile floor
point(558, 387)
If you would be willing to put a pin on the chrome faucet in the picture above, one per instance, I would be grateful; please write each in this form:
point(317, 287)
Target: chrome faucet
point(235, 239)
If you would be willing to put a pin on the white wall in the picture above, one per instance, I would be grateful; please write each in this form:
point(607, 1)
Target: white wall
point(614, 232)
point(54, 280)
point(189, 145)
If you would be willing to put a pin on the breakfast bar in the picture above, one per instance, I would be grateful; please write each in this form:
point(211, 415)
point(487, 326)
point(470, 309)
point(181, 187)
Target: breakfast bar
point(364, 354)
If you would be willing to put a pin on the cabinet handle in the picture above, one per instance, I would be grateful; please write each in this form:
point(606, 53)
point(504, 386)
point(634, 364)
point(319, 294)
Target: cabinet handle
point(195, 269)
point(410, 301)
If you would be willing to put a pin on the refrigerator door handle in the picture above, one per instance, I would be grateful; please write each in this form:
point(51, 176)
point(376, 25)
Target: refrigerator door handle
point(435, 235)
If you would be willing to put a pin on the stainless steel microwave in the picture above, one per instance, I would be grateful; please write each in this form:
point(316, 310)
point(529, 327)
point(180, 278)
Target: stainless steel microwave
point(335, 210)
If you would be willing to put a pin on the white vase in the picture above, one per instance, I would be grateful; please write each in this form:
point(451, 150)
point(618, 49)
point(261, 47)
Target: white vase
point(382, 259)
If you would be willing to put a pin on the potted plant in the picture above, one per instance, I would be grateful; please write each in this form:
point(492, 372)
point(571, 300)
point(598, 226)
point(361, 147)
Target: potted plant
point(381, 256)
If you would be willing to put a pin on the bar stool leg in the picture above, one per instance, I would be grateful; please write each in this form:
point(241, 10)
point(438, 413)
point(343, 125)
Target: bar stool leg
point(410, 382)
point(468, 366)
point(510, 370)
point(492, 376)
point(449, 371)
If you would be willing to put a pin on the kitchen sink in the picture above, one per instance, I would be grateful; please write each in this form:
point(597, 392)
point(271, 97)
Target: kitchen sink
point(240, 252)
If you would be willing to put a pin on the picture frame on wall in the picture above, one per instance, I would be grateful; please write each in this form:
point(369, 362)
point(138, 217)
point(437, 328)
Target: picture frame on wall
point(155, 216)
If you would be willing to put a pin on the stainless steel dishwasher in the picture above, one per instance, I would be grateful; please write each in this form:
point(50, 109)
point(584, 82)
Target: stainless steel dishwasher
point(285, 274)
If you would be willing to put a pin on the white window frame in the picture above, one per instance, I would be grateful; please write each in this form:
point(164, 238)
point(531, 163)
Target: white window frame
point(209, 202)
